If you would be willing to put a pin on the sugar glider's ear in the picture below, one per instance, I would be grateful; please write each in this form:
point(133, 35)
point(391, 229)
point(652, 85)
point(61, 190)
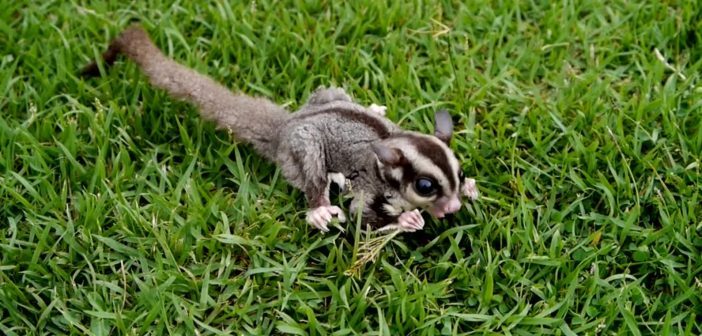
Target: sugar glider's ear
point(387, 155)
point(443, 126)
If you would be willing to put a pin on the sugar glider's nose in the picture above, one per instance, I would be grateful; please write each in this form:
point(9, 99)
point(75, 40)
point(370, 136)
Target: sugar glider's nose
point(446, 207)
point(453, 205)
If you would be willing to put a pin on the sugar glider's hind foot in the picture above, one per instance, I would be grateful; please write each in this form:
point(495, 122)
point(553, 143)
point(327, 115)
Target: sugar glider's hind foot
point(320, 217)
point(379, 109)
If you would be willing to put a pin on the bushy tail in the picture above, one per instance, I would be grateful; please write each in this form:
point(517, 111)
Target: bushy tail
point(251, 119)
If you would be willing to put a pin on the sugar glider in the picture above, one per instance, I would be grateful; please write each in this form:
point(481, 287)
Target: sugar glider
point(391, 172)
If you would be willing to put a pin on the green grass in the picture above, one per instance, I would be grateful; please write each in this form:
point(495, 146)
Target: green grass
point(123, 213)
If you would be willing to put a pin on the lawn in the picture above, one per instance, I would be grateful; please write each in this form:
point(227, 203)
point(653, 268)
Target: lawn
point(124, 213)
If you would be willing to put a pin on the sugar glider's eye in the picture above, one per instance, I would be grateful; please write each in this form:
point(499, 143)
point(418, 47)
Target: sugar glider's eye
point(425, 186)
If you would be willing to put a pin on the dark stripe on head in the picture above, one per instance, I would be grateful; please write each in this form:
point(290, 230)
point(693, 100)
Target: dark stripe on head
point(435, 153)
point(409, 175)
point(385, 176)
point(392, 181)
point(353, 115)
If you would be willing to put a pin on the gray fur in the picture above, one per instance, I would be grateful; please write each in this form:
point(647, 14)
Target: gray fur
point(329, 134)
point(251, 119)
point(335, 131)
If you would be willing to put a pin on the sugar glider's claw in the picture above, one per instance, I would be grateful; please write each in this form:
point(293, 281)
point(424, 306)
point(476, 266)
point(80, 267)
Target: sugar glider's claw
point(320, 217)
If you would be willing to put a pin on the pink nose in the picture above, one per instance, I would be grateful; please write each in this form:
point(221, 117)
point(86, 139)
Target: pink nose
point(453, 206)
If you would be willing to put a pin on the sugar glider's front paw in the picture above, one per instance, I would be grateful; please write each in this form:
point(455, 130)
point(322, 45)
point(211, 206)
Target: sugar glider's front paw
point(319, 217)
point(410, 221)
point(380, 109)
point(470, 189)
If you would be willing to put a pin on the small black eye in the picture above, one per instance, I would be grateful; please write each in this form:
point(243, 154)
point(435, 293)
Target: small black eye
point(425, 186)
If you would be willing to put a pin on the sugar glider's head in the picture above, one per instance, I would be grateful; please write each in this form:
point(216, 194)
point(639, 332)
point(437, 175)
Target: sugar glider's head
point(423, 168)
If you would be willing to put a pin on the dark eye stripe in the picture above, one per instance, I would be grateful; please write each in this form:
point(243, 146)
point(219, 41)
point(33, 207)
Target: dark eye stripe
point(409, 175)
point(436, 154)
